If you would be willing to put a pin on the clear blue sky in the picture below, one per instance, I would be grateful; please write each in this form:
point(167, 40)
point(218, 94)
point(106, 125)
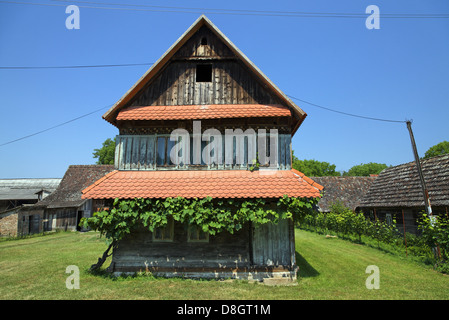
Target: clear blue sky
point(400, 71)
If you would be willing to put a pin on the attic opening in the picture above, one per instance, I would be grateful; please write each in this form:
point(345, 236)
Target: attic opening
point(204, 41)
point(203, 73)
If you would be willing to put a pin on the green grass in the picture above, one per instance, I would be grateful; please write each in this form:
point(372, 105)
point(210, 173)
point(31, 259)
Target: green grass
point(34, 268)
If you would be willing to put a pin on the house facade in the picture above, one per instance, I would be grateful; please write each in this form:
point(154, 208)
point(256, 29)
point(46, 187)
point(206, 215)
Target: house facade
point(397, 195)
point(204, 121)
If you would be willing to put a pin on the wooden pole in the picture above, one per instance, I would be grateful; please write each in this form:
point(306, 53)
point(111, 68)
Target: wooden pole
point(418, 166)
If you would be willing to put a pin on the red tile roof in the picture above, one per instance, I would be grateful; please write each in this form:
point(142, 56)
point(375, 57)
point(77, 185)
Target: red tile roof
point(200, 184)
point(214, 111)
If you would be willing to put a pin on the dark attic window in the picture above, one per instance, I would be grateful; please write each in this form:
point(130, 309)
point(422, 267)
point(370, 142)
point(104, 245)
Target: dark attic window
point(204, 73)
point(204, 41)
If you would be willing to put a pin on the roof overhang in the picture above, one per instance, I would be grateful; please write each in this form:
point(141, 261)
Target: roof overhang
point(219, 184)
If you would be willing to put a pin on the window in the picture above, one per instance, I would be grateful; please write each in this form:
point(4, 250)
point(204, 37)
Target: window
point(196, 234)
point(204, 41)
point(164, 146)
point(204, 73)
point(166, 233)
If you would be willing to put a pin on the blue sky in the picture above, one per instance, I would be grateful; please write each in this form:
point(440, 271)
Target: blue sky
point(400, 71)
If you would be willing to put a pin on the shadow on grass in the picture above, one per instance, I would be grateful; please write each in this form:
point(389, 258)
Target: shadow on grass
point(305, 269)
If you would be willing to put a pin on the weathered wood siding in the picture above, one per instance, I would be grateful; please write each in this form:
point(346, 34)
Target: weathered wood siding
point(60, 219)
point(138, 152)
point(232, 82)
point(263, 246)
point(138, 251)
point(272, 245)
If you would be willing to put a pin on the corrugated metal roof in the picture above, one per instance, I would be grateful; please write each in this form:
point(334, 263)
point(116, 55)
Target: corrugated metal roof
point(25, 189)
point(38, 183)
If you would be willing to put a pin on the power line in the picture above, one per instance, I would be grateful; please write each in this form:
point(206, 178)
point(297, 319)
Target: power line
point(310, 103)
point(346, 113)
point(74, 67)
point(56, 126)
point(260, 11)
point(297, 14)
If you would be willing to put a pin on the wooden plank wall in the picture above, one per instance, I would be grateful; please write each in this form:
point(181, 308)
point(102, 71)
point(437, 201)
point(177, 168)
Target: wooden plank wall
point(232, 82)
point(224, 250)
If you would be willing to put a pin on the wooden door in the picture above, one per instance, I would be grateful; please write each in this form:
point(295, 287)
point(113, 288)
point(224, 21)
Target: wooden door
point(271, 244)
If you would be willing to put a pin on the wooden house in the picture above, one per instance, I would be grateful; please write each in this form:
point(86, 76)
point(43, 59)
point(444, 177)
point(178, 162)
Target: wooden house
point(204, 86)
point(397, 193)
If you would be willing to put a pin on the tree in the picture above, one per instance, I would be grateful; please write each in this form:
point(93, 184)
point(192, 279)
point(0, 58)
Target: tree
point(437, 150)
point(106, 153)
point(365, 169)
point(314, 168)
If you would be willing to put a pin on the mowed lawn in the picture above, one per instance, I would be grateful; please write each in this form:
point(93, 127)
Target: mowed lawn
point(35, 268)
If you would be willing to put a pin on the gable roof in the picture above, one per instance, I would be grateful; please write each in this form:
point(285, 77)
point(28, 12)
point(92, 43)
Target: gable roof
point(347, 190)
point(76, 178)
point(400, 186)
point(200, 184)
point(111, 114)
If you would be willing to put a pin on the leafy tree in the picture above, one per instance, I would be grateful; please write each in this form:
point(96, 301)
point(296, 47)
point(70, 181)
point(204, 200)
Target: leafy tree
point(314, 168)
point(437, 150)
point(106, 153)
point(365, 169)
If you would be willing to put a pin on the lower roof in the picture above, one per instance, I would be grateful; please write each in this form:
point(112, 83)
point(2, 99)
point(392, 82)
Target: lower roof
point(201, 184)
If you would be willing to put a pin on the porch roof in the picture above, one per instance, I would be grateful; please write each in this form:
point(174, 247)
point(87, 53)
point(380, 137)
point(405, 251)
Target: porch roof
point(200, 184)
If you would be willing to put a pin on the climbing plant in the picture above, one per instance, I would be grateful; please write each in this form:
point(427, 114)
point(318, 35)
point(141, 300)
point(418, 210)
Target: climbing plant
point(211, 215)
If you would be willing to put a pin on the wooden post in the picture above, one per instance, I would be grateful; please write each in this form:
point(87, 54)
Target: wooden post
point(418, 166)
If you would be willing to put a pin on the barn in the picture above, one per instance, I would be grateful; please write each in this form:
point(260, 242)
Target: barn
point(204, 121)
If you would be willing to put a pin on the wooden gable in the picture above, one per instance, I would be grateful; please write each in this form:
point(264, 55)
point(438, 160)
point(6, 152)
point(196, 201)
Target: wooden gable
point(179, 83)
point(204, 68)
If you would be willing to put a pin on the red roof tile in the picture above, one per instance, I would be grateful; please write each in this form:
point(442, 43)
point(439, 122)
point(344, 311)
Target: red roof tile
point(214, 111)
point(200, 184)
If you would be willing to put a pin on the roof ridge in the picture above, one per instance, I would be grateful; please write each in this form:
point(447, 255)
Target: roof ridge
point(308, 180)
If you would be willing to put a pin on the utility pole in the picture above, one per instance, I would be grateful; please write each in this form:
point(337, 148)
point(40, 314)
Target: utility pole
point(418, 166)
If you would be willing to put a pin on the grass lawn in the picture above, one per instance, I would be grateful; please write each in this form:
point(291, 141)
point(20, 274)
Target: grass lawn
point(34, 268)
